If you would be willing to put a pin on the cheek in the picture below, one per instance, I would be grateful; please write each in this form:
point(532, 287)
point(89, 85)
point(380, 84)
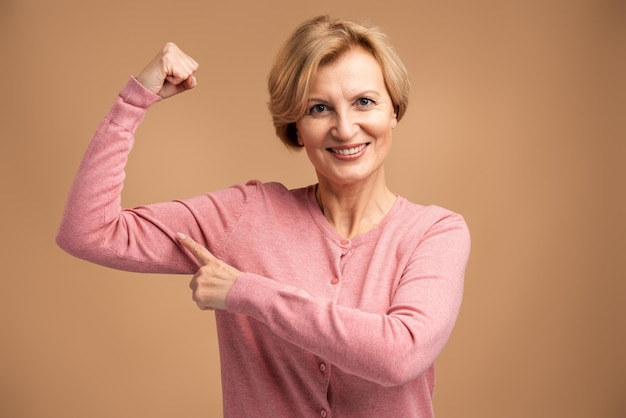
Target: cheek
point(311, 131)
point(381, 128)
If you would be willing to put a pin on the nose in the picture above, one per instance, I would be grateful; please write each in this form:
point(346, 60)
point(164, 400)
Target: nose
point(345, 126)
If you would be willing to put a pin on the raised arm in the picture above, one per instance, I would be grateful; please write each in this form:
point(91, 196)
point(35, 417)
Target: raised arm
point(94, 226)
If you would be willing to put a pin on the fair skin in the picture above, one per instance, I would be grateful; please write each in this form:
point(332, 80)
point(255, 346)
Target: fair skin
point(170, 72)
point(346, 134)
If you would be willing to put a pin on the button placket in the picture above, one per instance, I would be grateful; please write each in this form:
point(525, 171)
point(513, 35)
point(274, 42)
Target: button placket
point(346, 248)
point(324, 375)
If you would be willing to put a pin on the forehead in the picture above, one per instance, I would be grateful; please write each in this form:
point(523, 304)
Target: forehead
point(356, 69)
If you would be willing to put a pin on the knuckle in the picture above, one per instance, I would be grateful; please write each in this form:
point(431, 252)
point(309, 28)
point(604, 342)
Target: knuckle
point(169, 47)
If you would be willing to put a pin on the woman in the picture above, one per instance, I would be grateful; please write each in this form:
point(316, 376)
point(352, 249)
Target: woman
point(330, 300)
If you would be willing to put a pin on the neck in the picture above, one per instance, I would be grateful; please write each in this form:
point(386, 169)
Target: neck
point(355, 209)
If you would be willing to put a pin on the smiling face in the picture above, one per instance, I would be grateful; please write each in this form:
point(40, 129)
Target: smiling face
point(347, 129)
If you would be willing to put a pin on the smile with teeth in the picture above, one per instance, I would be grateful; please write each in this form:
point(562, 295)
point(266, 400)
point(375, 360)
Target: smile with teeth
point(348, 151)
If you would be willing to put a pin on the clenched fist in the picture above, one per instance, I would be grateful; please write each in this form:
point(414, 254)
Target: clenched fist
point(170, 72)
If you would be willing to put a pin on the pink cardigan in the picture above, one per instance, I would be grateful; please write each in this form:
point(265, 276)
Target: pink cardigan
point(318, 325)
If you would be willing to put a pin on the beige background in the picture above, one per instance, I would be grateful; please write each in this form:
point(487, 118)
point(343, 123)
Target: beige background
point(516, 120)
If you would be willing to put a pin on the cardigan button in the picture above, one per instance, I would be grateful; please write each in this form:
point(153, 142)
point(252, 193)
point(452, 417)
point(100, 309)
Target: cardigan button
point(334, 281)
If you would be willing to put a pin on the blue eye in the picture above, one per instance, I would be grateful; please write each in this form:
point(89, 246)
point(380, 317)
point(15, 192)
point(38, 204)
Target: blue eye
point(318, 108)
point(364, 102)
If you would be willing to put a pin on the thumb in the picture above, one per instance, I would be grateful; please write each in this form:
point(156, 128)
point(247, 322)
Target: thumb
point(201, 254)
point(175, 85)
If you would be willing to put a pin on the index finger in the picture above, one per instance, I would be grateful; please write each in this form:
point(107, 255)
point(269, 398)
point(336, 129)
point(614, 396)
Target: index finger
point(201, 254)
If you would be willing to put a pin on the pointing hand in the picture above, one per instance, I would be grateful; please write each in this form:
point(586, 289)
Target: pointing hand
point(212, 282)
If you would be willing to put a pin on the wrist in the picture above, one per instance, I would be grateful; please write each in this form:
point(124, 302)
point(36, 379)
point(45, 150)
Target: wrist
point(137, 94)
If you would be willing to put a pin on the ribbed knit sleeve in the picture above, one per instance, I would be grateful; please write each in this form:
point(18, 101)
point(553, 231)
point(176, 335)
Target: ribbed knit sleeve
point(94, 226)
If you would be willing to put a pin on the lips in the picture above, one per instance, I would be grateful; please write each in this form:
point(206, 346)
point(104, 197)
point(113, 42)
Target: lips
point(348, 150)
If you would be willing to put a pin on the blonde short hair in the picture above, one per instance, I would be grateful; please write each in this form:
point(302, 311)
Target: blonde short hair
point(317, 42)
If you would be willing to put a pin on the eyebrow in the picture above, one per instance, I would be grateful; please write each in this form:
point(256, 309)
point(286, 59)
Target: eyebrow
point(366, 93)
